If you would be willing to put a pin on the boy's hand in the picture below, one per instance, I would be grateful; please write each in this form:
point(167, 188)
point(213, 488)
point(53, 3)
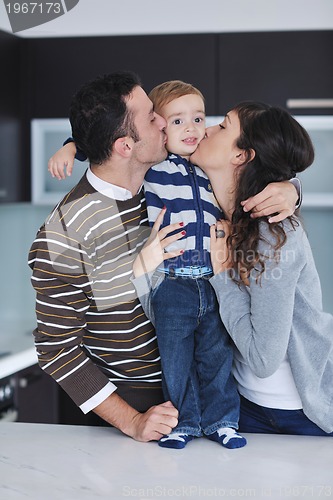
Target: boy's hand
point(61, 164)
point(277, 198)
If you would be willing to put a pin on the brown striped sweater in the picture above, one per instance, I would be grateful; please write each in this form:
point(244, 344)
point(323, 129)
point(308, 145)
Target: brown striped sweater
point(91, 326)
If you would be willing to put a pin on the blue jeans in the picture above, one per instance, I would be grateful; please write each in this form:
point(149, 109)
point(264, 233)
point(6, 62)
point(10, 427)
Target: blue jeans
point(262, 420)
point(196, 355)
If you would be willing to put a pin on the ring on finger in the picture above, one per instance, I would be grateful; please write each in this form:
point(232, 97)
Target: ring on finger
point(220, 233)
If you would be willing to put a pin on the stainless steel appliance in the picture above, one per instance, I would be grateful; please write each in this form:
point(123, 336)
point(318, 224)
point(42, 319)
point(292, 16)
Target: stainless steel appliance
point(8, 411)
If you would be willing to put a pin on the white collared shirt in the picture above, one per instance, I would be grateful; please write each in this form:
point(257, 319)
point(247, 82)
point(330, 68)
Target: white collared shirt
point(110, 190)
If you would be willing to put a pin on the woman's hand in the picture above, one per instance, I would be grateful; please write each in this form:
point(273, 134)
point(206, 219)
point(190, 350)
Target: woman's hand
point(153, 252)
point(219, 251)
point(278, 198)
point(63, 159)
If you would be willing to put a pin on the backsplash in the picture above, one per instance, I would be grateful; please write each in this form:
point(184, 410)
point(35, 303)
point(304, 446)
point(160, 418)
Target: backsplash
point(19, 223)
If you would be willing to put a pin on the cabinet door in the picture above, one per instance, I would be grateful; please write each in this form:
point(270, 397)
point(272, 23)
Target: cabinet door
point(36, 396)
point(274, 67)
point(14, 180)
point(155, 58)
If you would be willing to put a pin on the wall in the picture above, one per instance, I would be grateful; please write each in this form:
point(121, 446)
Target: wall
point(19, 222)
point(110, 18)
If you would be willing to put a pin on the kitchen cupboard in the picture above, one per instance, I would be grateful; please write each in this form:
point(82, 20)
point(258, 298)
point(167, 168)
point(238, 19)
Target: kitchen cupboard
point(155, 58)
point(274, 67)
point(227, 67)
point(14, 179)
point(36, 396)
point(39, 399)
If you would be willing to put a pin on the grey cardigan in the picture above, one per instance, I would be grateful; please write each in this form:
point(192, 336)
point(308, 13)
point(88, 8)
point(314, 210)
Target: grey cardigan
point(283, 315)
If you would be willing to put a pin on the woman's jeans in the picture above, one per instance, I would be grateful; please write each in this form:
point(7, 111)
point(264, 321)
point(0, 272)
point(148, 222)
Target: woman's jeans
point(196, 355)
point(259, 419)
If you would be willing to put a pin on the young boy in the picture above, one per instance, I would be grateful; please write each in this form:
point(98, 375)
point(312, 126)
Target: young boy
point(196, 353)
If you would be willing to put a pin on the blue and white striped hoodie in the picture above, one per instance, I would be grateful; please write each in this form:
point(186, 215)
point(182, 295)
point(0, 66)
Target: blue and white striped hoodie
point(186, 192)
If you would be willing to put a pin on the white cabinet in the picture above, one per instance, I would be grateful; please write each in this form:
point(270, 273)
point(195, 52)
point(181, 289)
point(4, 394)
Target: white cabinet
point(47, 136)
point(317, 180)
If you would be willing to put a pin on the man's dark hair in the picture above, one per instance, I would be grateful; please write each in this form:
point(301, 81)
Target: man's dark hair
point(99, 115)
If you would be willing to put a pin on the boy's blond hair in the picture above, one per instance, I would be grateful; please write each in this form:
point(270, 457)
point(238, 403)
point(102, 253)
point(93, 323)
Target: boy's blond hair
point(169, 91)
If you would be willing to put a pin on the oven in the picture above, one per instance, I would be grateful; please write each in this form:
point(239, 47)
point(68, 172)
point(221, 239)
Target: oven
point(8, 410)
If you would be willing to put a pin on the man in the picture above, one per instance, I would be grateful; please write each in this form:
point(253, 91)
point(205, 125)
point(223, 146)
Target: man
point(84, 297)
point(93, 337)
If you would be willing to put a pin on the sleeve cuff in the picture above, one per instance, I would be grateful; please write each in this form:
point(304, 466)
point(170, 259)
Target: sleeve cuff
point(298, 186)
point(98, 398)
point(79, 155)
point(143, 284)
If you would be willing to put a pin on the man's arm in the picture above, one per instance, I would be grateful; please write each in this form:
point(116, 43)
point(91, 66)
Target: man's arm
point(278, 200)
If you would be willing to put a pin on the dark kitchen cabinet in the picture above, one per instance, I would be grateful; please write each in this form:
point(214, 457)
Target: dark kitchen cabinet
point(36, 397)
point(14, 163)
point(39, 399)
point(274, 67)
point(226, 67)
point(155, 58)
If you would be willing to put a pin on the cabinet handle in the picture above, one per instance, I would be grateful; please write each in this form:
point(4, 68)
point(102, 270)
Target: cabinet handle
point(28, 379)
point(310, 103)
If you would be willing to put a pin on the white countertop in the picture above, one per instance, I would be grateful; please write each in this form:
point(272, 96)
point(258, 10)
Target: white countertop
point(52, 462)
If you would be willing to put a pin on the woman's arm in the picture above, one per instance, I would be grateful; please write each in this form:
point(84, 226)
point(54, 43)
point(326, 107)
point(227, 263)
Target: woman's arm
point(259, 317)
point(278, 200)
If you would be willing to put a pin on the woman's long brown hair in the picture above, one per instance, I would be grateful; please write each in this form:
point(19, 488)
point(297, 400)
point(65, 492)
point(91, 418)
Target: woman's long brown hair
point(282, 149)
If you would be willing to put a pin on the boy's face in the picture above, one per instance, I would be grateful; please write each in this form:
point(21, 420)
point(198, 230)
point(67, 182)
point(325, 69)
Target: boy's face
point(185, 117)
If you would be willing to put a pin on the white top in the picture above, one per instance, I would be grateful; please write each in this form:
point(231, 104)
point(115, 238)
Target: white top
point(276, 391)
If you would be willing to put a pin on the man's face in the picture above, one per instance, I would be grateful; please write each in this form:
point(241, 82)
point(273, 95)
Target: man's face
point(150, 148)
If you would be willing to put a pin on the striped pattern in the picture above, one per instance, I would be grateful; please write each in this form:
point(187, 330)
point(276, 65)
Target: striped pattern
point(186, 192)
point(91, 326)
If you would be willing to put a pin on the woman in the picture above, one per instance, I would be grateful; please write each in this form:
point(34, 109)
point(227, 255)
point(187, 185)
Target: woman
point(265, 277)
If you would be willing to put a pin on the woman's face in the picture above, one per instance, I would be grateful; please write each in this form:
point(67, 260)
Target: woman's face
point(218, 149)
